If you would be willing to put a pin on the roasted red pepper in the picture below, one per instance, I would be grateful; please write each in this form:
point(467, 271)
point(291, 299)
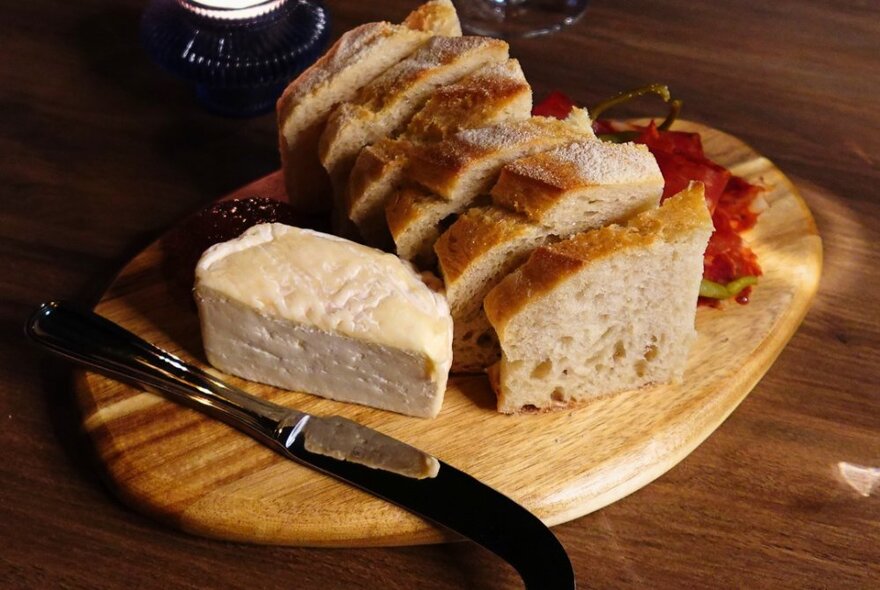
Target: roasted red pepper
point(730, 267)
point(556, 105)
point(681, 160)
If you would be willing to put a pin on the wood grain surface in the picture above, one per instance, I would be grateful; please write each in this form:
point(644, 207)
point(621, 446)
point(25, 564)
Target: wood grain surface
point(103, 152)
point(205, 478)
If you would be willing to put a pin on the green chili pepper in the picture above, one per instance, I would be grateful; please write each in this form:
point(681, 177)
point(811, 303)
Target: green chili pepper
point(619, 137)
point(674, 110)
point(659, 89)
point(714, 290)
point(741, 283)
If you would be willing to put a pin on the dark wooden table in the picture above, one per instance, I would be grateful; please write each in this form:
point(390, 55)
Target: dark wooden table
point(100, 152)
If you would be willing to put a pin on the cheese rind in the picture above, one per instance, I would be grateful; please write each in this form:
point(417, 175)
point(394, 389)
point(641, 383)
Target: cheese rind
point(307, 311)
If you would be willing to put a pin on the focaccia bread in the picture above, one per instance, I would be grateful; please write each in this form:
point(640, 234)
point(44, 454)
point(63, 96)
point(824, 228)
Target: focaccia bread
point(359, 56)
point(483, 245)
point(493, 94)
point(605, 311)
point(311, 312)
point(382, 108)
point(554, 194)
point(454, 172)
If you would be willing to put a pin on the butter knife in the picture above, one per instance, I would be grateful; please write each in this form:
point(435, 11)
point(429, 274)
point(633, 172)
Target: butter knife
point(363, 457)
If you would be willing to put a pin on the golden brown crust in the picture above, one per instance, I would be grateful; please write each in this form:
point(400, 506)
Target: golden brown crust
point(475, 101)
point(437, 52)
point(341, 54)
point(541, 272)
point(405, 206)
point(355, 59)
point(522, 194)
point(372, 164)
point(493, 92)
point(474, 233)
point(437, 166)
point(548, 266)
point(534, 184)
point(436, 16)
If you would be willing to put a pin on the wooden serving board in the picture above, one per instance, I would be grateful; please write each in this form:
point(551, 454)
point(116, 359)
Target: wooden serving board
point(206, 478)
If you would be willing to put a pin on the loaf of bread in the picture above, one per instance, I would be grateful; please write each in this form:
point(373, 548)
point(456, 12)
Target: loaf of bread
point(383, 107)
point(312, 312)
point(453, 173)
point(551, 195)
point(493, 94)
point(605, 311)
point(359, 56)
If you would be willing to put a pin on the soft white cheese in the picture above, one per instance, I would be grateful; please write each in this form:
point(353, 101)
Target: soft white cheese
point(312, 312)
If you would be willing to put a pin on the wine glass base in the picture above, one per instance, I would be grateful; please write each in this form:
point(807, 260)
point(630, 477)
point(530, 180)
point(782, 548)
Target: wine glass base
point(518, 18)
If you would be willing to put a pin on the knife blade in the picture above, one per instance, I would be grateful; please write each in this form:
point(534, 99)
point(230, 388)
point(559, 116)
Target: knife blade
point(351, 452)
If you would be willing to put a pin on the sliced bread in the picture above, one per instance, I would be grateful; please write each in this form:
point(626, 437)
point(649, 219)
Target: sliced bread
point(454, 172)
point(415, 220)
point(383, 107)
point(377, 173)
point(605, 311)
point(492, 94)
point(580, 185)
point(359, 56)
point(481, 247)
point(569, 189)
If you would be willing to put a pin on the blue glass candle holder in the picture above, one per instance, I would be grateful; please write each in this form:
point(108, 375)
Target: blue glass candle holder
point(240, 54)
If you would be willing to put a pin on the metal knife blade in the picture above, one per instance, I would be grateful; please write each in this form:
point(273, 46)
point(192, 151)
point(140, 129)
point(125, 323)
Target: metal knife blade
point(363, 457)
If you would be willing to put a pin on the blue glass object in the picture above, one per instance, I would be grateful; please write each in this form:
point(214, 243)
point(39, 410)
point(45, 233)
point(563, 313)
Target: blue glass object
point(240, 54)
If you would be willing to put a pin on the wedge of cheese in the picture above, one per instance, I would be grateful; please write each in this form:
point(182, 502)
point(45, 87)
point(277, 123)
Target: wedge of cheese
point(311, 312)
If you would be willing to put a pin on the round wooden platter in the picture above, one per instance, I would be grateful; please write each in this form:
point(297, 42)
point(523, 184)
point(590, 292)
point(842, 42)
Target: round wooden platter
point(206, 478)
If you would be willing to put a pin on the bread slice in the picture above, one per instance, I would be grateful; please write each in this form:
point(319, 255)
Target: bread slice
point(453, 173)
point(478, 250)
point(492, 94)
point(359, 56)
point(377, 173)
point(569, 189)
point(435, 16)
point(415, 219)
point(580, 185)
point(468, 162)
point(605, 311)
point(384, 106)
